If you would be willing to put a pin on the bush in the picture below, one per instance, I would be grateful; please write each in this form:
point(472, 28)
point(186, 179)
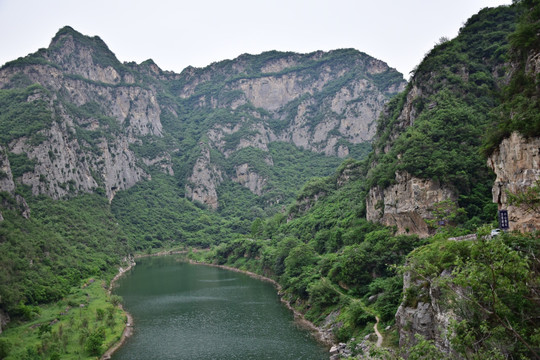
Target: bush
point(5, 348)
point(94, 342)
point(322, 294)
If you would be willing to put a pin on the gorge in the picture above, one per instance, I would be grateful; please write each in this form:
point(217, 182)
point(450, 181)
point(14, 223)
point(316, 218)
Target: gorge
point(326, 172)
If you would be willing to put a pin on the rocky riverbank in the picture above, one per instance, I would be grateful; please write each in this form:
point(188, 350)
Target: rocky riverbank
point(128, 329)
point(324, 336)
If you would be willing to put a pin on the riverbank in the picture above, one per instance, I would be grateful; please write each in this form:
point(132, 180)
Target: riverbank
point(128, 328)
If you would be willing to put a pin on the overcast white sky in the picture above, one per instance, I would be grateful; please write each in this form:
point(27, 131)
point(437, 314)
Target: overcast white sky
point(179, 33)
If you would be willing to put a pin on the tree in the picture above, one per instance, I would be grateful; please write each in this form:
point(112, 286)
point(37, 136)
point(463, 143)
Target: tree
point(94, 342)
point(529, 199)
point(499, 296)
point(445, 212)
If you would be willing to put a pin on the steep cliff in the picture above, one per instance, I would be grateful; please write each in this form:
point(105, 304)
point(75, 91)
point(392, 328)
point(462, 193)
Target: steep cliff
point(513, 142)
point(92, 112)
point(407, 204)
point(468, 295)
point(426, 147)
point(204, 180)
point(517, 165)
point(322, 102)
point(425, 311)
point(104, 126)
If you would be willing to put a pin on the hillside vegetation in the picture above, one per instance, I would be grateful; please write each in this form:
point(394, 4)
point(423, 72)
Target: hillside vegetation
point(343, 271)
point(111, 159)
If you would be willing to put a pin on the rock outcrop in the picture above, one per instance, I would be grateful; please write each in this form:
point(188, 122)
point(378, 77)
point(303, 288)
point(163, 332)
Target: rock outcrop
point(97, 113)
point(321, 102)
point(249, 179)
point(516, 163)
point(6, 176)
point(203, 182)
point(425, 313)
point(406, 204)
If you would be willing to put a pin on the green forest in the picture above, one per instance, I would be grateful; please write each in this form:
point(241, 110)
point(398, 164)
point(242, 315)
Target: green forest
point(308, 230)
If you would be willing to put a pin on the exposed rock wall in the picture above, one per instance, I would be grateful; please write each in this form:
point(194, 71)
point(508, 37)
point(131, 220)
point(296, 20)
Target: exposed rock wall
point(249, 179)
point(517, 165)
point(65, 162)
point(6, 176)
point(317, 107)
point(203, 182)
point(406, 204)
point(428, 315)
point(105, 115)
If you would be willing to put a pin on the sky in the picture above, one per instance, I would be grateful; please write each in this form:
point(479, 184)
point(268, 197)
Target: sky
point(177, 34)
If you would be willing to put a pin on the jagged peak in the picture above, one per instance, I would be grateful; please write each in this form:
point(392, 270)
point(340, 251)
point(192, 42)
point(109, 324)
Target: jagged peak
point(152, 66)
point(101, 53)
point(66, 30)
point(94, 41)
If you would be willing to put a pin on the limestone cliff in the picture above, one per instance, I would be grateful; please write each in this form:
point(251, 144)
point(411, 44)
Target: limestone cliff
point(96, 112)
point(426, 312)
point(407, 203)
point(106, 125)
point(516, 163)
point(204, 180)
point(6, 176)
point(249, 179)
point(325, 102)
point(427, 140)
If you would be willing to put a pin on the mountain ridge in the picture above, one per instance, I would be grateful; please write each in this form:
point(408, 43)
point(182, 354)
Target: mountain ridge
point(247, 102)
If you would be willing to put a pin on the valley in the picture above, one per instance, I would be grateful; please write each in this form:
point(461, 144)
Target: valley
point(326, 172)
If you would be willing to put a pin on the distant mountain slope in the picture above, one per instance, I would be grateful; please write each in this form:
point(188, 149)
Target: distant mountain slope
point(428, 140)
point(76, 120)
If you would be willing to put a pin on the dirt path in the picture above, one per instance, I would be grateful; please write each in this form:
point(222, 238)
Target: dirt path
point(366, 309)
point(379, 335)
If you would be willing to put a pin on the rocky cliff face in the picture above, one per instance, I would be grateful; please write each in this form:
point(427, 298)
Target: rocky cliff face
point(105, 116)
point(97, 113)
point(425, 313)
point(427, 141)
point(204, 180)
point(249, 179)
point(407, 203)
point(6, 176)
point(322, 102)
point(517, 165)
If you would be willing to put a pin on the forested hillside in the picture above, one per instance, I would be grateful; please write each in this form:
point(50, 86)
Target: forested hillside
point(100, 159)
point(276, 163)
point(440, 296)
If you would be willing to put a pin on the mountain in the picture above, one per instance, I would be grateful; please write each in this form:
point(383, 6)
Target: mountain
point(100, 158)
point(428, 140)
point(76, 120)
point(246, 158)
point(403, 238)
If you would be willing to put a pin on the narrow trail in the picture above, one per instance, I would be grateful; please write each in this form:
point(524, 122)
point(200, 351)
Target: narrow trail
point(379, 336)
point(366, 309)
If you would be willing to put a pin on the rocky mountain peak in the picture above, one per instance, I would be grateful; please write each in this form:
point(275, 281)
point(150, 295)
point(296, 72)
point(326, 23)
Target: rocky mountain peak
point(85, 56)
point(102, 118)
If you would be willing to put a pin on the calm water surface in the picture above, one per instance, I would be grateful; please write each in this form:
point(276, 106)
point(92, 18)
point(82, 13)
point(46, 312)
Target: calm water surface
point(185, 311)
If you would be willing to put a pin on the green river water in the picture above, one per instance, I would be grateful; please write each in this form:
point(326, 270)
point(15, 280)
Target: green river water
point(185, 311)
